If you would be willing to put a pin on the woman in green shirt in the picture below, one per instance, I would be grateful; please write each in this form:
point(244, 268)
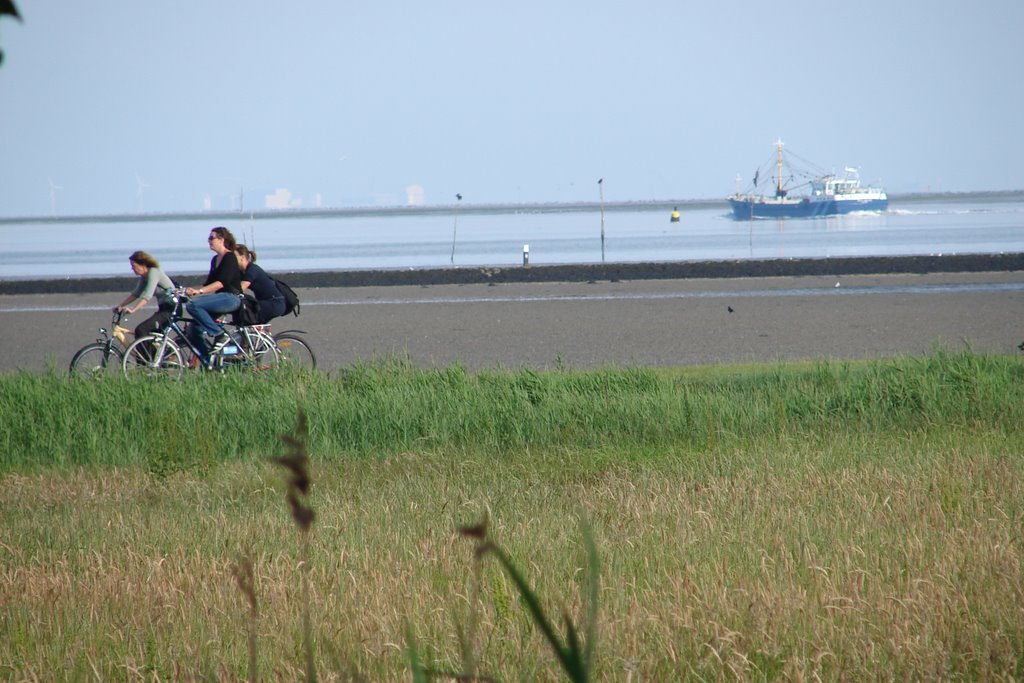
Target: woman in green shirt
point(153, 282)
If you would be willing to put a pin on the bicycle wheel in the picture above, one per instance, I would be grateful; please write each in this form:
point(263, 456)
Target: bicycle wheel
point(295, 351)
point(154, 356)
point(94, 360)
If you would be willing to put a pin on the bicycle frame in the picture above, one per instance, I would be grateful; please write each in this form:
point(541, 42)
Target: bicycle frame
point(165, 335)
point(108, 337)
point(254, 341)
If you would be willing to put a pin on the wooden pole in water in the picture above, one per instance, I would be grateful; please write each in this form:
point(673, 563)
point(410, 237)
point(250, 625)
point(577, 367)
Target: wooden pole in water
point(455, 224)
point(600, 189)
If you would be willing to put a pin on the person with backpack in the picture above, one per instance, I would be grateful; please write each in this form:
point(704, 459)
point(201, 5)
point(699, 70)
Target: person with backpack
point(269, 300)
point(153, 282)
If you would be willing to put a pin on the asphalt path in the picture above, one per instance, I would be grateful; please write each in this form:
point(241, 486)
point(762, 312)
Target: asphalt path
point(670, 322)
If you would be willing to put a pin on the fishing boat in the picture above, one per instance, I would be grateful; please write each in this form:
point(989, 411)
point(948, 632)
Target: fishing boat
point(824, 194)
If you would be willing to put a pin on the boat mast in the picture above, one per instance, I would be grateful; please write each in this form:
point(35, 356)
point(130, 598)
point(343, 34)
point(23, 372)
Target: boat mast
point(778, 164)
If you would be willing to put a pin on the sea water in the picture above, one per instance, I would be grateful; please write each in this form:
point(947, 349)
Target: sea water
point(498, 239)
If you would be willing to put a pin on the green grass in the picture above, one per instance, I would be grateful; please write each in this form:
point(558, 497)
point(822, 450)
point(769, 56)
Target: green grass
point(834, 520)
point(391, 407)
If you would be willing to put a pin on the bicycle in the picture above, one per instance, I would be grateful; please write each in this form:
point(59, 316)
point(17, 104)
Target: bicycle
point(169, 352)
point(105, 355)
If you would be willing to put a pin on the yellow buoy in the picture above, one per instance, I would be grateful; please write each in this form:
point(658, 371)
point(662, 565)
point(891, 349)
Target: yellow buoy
point(675, 216)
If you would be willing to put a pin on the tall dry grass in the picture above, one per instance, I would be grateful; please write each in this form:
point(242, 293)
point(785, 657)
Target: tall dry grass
point(763, 565)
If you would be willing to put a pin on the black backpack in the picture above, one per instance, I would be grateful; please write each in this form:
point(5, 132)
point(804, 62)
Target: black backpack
point(248, 313)
point(291, 299)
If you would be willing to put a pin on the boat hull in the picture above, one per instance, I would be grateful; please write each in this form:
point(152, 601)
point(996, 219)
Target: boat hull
point(744, 208)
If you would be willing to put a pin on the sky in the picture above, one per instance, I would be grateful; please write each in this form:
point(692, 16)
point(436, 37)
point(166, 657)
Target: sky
point(125, 106)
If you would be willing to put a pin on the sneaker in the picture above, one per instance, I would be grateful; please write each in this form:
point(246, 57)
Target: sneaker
point(219, 342)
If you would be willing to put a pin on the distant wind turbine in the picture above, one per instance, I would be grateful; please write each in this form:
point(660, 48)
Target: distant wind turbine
point(240, 197)
point(140, 185)
point(53, 196)
point(241, 200)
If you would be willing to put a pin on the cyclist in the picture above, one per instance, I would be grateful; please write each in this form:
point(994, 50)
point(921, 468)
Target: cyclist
point(217, 296)
point(153, 281)
point(269, 300)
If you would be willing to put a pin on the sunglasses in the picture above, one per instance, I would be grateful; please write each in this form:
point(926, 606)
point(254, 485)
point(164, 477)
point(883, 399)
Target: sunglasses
point(214, 237)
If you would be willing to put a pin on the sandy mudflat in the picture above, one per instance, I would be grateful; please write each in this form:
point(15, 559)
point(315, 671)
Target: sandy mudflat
point(597, 322)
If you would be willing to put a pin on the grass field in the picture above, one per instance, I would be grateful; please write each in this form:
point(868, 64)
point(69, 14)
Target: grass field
point(838, 521)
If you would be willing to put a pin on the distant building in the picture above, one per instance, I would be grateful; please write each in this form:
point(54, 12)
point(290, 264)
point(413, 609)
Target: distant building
point(414, 195)
point(282, 199)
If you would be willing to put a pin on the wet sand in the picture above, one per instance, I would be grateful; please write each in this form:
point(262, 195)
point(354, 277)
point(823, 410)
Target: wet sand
point(596, 322)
